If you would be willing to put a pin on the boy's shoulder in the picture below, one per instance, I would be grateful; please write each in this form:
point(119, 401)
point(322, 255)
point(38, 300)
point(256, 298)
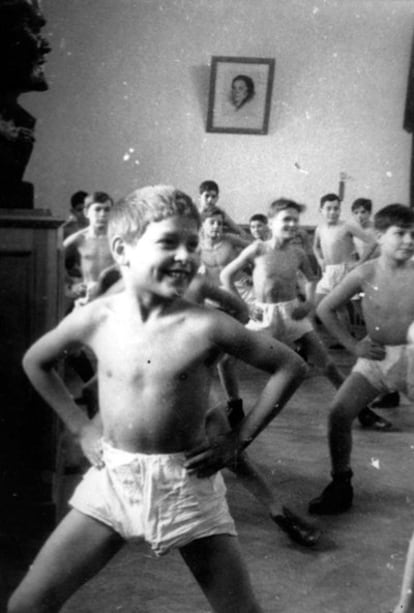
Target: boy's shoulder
point(76, 238)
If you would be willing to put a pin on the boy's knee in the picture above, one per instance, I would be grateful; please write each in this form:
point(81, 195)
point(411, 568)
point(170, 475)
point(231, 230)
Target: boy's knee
point(340, 417)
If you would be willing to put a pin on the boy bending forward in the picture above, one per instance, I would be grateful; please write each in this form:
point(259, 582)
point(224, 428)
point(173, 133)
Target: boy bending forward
point(155, 473)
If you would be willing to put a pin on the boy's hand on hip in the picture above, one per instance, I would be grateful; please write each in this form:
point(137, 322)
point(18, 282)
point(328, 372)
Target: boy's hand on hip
point(367, 348)
point(213, 455)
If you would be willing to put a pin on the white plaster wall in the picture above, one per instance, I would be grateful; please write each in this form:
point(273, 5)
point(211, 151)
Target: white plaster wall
point(134, 74)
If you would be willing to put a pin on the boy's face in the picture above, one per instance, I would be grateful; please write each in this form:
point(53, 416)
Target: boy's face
point(284, 224)
point(258, 229)
point(397, 242)
point(98, 214)
point(208, 199)
point(361, 215)
point(164, 260)
point(331, 211)
point(213, 227)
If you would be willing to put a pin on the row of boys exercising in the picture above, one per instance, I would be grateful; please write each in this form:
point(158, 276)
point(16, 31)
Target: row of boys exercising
point(156, 447)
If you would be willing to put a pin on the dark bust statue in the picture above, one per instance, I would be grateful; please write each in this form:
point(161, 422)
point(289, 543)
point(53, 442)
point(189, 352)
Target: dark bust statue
point(22, 57)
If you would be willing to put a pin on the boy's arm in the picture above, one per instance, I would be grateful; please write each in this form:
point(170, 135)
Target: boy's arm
point(227, 301)
point(328, 309)
point(40, 363)
point(370, 242)
point(286, 371)
point(230, 271)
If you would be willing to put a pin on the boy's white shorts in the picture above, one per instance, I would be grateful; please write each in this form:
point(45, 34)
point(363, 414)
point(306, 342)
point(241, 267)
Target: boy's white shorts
point(152, 497)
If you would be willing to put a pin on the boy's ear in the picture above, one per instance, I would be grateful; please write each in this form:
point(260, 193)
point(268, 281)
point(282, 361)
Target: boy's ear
point(119, 252)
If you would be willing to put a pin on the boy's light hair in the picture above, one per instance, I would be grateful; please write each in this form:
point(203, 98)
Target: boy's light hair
point(362, 203)
point(97, 198)
point(208, 186)
point(393, 215)
point(329, 198)
point(212, 211)
point(281, 204)
point(130, 216)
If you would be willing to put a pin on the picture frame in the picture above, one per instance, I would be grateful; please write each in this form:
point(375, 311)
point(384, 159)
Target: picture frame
point(240, 95)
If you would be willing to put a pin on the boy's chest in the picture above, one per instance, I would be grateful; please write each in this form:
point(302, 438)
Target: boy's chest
point(391, 295)
point(95, 249)
point(151, 356)
point(278, 263)
point(218, 255)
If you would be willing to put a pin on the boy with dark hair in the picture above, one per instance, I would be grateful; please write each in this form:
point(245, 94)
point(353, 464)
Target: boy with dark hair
point(209, 195)
point(155, 470)
point(259, 226)
point(87, 251)
point(385, 361)
point(275, 263)
point(76, 220)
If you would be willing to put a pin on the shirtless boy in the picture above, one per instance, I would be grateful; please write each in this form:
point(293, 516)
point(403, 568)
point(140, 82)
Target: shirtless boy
point(276, 263)
point(334, 246)
point(209, 195)
point(334, 250)
point(154, 352)
point(88, 249)
point(385, 361)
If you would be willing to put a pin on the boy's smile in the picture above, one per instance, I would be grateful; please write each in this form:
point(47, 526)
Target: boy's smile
point(258, 230)
point(397, 242)
point(285, 224)
point(165, 258)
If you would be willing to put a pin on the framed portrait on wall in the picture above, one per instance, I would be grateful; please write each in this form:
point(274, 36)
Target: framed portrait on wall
point(240, 95)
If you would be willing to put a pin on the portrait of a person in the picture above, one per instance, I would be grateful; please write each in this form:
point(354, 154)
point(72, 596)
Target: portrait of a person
point(242, 90)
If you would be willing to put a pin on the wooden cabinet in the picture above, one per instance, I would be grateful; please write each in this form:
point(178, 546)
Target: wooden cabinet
point(30, 304)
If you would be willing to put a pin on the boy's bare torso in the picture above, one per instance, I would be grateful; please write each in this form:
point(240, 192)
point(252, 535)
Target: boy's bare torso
point(216, 256)
point(94, 255)
point(274, 273)
point(154, 377)
point(336, 243)
point(388, 301)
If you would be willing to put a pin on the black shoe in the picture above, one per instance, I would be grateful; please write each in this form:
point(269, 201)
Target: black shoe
point(369, 419)
point(235, 413)
point(297, 528)
point(336, 497)
point(387, 401)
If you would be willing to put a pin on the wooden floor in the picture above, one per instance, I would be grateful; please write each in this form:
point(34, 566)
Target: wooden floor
point(356, 568)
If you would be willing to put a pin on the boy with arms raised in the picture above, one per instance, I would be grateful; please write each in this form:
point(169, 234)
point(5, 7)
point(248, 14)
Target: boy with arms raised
point(154, 473)
point(385, 362)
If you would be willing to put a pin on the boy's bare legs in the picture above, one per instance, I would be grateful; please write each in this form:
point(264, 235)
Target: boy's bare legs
point(318, 355)
point(77, 549)
point(217, 565)
point(355, 393)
